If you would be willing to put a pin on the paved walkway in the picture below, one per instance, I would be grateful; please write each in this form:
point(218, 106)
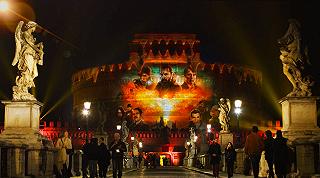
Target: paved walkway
point(221, 174)
point(171, 172)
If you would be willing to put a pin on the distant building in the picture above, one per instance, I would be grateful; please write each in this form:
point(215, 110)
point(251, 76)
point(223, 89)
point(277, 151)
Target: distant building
point(113, 85)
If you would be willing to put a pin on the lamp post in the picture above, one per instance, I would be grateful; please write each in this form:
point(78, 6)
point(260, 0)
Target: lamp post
point(118, 127)
point(85, 113)
point(132, 141)
point(195, 146)
point(237, 111)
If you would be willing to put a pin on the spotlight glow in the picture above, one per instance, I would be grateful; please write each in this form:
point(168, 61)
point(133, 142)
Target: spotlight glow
point(4, 6)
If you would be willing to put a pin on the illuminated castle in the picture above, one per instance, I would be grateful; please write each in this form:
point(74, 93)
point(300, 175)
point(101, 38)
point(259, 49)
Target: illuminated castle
point(104, 85)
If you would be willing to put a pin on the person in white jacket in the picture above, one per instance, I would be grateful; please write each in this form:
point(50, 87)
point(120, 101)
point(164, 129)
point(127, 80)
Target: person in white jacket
point(63, 143)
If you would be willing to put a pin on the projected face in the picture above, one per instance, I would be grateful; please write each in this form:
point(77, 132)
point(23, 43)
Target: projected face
point(144, 77)
point(166, 75)
point(195, 118)
point(136, 115)
point(116, 136)
point(191, 77)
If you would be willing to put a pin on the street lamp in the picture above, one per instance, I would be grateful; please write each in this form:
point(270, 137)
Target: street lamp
point(85, 113)
point(87, 105)
point(140, 145)
point(118, 127)
point(195, 140)
point(237, 111)
point(209, 128)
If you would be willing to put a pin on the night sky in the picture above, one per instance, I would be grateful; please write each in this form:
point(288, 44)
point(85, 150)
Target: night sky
point(98, 32)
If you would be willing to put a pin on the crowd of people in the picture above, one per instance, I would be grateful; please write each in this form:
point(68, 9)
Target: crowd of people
point(278, 154)
point(98, 156)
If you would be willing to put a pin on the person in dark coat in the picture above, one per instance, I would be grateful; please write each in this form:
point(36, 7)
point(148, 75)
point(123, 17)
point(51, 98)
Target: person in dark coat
point(269, 151)
point(230, 157)
point(117, 148)
point(215, 157)
point(104, 159)
point(85, 159)
point(281, 155)
point(93, 156)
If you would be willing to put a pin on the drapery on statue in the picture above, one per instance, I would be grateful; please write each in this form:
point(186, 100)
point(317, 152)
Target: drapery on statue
point(28, 54)
point(224, 118)
point(295, 60)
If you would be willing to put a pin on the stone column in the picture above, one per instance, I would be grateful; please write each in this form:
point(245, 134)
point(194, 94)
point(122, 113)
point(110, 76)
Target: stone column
point(299, 116)
point(14, 161)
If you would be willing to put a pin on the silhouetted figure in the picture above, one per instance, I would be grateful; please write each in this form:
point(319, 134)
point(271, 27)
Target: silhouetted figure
point(253, 148)
point(281, 155)
point(104, 159)
point(85, 159)
point(215, 157)
point(93, 156)
point(230, 157)
point(269, 152)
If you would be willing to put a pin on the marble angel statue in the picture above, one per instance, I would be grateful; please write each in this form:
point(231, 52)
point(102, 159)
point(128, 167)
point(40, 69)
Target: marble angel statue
point(27, 55)
point(224, 110)
point(295, 60)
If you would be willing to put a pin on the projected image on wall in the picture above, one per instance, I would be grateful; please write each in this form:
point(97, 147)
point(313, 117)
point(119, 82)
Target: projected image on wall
point(167, 93)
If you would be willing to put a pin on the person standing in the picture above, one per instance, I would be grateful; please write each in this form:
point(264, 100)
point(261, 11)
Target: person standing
point(253, 148)
point(215, 156)
point(269, 151)
point(117, 148)
point(93, 156)
point(85, 159)
point(281, 155)
point(63, 143)
point(230, 157)
point(104, 159)
point(140, 157)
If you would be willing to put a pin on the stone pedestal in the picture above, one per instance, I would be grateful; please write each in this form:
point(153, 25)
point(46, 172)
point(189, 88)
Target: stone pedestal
point(224, 139)
point(299, 116)
point(21, 132)
point(299, 113)
point(21, 123)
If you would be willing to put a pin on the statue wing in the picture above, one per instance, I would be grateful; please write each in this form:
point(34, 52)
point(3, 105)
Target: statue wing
point(229, 106)
point(18, 40)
